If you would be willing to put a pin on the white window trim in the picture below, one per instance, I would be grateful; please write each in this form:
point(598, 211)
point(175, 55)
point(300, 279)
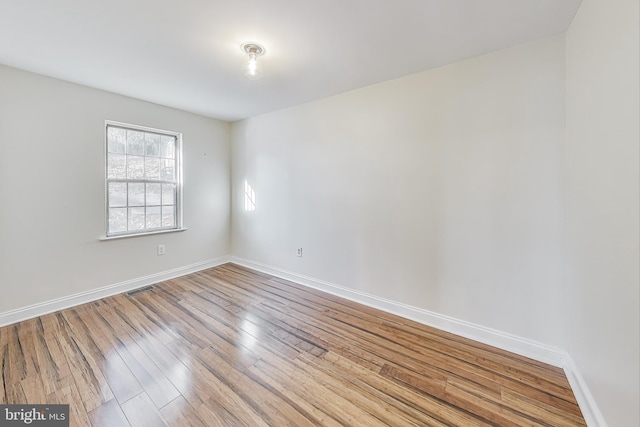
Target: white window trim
point(146, 233)
point(179, 182)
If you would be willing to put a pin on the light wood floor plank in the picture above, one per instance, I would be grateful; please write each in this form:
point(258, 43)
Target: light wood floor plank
point(229, 346)
point(180, 413)
point(108, 415)
point(141, 412)
point(69, 395)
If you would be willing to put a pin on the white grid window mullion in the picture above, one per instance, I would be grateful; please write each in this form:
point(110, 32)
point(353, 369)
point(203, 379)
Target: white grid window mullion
point(158, 148)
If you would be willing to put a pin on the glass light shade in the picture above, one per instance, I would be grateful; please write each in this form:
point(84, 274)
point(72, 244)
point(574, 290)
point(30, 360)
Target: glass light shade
point(252, 68)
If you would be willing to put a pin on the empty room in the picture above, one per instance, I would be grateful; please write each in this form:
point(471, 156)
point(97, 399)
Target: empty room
point(320, 213)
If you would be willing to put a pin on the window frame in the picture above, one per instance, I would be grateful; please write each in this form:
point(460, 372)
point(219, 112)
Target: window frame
point(178, 181)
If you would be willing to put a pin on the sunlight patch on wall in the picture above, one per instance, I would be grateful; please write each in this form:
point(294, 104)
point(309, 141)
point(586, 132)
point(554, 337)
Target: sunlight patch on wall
point(249, 197)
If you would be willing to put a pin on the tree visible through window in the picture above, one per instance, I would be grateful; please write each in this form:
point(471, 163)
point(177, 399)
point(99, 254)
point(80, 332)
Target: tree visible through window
point(143, 180)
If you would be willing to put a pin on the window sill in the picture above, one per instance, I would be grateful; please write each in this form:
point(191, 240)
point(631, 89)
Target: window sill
point(125, 236)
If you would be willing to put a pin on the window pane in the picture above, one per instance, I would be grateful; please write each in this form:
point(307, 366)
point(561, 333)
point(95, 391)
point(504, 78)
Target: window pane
point(151, 168)
point(116, 166)
point(136, 194)
point(118, 194)
point(136, 219)
point(167, 170)
point(167, 146)
point(135, 142)
point(168, 216)
point(135, 167)
point(153, 194)
point(153, 217)
point(116, 140)
point(142, 180)
point(168, 194)
point(117, 220)
point(152, 144)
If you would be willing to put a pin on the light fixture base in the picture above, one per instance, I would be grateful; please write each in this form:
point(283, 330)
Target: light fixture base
point(253, 48)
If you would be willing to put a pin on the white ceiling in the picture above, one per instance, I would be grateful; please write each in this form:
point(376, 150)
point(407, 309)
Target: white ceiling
point(186, 53)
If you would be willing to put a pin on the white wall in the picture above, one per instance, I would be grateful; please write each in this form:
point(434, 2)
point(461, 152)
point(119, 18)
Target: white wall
point(602, 193)
point(440, 190)
point(52, 190)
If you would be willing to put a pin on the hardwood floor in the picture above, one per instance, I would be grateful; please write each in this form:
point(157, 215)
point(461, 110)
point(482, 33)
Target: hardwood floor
point(230, 346)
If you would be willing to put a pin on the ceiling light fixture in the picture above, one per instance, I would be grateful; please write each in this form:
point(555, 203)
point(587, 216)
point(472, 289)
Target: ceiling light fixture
point(251, 67)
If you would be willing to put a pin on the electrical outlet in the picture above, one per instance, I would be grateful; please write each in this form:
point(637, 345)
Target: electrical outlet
point(161, 250)
point(299, 253)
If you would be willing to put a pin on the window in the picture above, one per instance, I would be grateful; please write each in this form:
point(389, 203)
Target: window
point(143, 180)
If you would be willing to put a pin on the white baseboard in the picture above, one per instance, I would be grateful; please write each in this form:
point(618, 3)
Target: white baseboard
point(525, 347)
point(46, 307)
point(587, 403)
